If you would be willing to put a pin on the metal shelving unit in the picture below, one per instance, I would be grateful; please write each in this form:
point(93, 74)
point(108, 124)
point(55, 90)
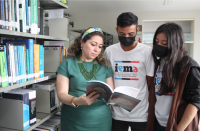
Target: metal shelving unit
point(44, 5)
point(52, 4)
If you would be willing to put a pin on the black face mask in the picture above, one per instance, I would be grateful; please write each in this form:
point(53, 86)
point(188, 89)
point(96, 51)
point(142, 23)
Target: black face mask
point(160, 51)
point(126, 41)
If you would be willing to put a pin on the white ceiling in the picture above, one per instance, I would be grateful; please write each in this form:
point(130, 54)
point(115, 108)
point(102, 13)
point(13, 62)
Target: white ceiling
point(82, 7)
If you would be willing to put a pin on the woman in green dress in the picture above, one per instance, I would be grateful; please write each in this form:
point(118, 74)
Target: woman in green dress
point(80, 112)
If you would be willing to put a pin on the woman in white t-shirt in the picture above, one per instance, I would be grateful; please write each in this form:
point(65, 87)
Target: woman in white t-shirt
point(174, 97)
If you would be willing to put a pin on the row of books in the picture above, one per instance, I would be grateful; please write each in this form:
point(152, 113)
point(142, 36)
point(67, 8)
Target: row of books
point(20, 15)
point(21, 61)
point(42, 97)
point(52, 124)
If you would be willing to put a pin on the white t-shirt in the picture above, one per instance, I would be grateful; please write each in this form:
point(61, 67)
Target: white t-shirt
point(130, 68)
point(163, 102)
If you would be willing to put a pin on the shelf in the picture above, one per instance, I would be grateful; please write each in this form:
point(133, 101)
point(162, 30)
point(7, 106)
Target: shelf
point(41, 118)
point(15, 34)
point(155, 20)
point(47, 76)
point(52, 4)
point(150, 42)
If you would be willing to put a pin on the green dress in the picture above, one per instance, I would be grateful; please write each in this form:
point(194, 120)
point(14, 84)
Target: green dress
point(95, 117)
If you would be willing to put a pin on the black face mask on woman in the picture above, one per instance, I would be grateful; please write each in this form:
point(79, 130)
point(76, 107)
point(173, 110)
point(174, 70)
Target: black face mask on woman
point(160, 51)
point(126, 41)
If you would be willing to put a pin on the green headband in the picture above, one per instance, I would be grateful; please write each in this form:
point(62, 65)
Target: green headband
point(92, 30)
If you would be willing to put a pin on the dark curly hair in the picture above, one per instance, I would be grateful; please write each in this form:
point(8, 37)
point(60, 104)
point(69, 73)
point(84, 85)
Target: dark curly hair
point(75, 49)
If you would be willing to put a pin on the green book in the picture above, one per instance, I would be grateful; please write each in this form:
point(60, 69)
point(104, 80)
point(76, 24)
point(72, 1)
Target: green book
point(3, 69)
point(34, 16)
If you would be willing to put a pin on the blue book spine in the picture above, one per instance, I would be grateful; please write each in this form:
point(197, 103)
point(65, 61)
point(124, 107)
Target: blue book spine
point(6, 65)
point(27, 16)
point(23, 65)
point(41, 62)
point(2, 14)
point(29, 46)
point(25, 99)
point(16, 65)
point(19, 62)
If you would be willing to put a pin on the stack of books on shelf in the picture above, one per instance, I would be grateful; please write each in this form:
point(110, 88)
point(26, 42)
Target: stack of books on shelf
point(20, 15)
point(52, 124)
point(20, 61)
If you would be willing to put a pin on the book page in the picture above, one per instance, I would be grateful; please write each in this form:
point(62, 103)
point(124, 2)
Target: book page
point(99, 87)
point(130, 91)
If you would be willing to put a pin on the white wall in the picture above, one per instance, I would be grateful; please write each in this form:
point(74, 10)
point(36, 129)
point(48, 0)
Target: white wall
point(108, 23)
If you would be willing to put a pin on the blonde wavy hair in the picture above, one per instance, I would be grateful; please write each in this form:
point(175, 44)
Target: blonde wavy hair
point(75, 49)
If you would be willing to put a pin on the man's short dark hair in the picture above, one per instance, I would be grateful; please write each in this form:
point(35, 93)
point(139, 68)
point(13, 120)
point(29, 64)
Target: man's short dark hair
point(127, 19)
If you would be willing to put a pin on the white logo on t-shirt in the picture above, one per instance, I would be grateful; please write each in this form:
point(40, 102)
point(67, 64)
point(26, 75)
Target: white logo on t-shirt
point(126, 70)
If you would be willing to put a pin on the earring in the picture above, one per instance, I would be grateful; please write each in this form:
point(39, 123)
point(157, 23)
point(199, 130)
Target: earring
point(81, 48)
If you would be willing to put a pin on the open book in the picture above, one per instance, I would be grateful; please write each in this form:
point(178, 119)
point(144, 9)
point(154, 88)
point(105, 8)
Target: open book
point(123, 96)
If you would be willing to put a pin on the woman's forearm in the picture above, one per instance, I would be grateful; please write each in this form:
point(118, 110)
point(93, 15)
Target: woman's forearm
point(187, 117)
point(65, 98)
